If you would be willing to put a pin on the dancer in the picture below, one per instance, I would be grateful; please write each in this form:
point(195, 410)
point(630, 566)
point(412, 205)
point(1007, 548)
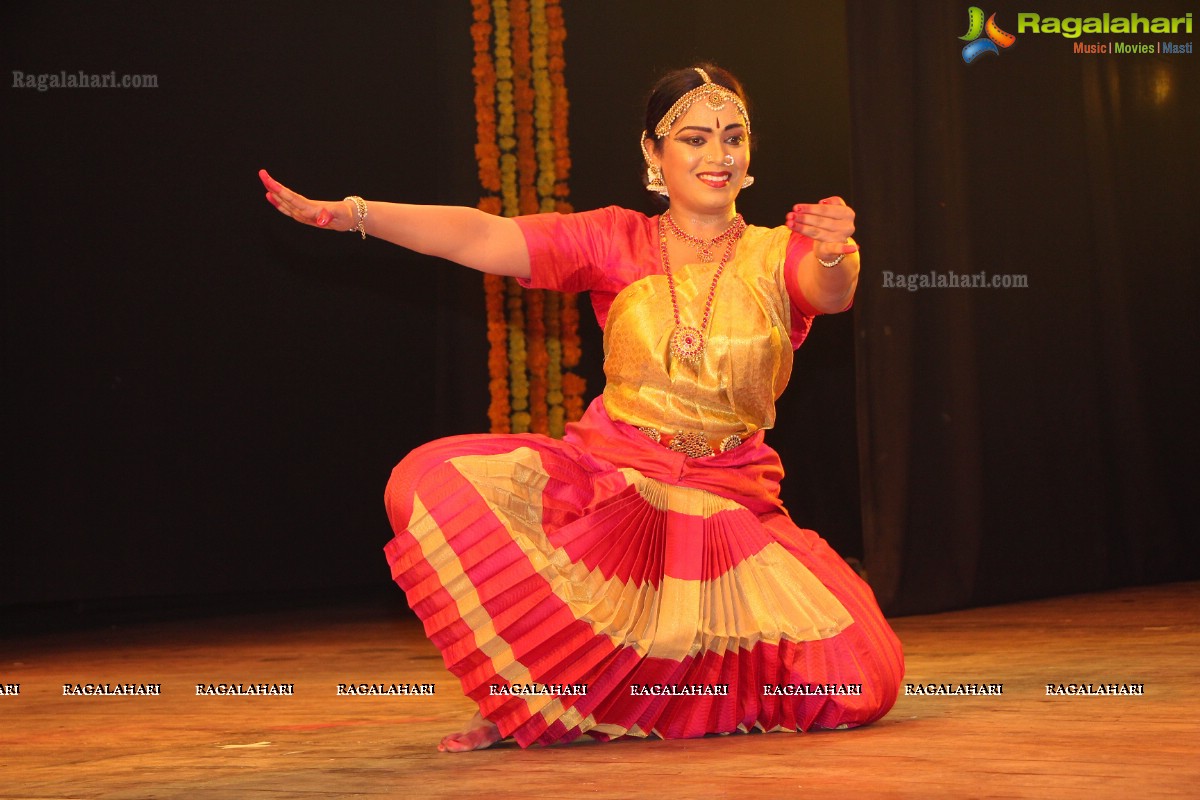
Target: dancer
point(641, 576)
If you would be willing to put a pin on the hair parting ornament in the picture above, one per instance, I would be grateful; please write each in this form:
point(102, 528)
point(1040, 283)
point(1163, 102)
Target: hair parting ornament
point(716, 97)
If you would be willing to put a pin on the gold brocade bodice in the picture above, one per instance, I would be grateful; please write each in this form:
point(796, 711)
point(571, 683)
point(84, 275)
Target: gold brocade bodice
point(747, 359)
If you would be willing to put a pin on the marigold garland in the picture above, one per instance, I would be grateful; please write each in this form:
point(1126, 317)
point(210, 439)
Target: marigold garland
point(486, 152)
point(543, 116)
point(488, 156)
point(523, 106)
point(557, 34)
point(522, 150)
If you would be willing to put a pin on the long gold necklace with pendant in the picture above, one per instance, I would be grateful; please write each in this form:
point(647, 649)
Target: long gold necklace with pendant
point(687, 343)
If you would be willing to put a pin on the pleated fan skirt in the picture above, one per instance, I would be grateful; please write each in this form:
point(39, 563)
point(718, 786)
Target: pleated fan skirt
point(604, 585)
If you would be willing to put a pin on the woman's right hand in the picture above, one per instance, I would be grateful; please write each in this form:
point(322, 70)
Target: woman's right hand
point(338, 216)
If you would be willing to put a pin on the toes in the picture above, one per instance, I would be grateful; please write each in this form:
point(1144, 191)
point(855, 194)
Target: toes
point(453, 744)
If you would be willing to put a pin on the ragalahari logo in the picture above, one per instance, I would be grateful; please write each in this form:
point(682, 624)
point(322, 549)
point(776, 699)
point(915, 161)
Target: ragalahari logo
point(995, 41)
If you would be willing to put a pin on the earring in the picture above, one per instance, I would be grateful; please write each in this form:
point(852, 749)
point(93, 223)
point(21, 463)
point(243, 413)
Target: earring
point(654, 176)
point(748, 182)
point(654, 180)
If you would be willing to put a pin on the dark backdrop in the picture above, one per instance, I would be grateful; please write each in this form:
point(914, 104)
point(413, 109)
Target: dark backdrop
point(1020, 443)
point(204, 400)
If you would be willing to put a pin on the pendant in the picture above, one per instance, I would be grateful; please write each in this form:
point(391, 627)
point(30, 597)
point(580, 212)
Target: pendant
point(715, 100)
point(687, 344)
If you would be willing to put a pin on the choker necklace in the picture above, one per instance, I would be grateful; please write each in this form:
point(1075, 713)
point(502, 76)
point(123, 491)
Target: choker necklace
point(704, 246)
point(687, 343)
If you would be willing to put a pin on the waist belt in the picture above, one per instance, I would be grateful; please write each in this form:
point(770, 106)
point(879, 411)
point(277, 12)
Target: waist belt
point(691, 444)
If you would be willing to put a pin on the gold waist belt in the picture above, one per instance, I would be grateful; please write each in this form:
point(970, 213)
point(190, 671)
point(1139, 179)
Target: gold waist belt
point(693, 445)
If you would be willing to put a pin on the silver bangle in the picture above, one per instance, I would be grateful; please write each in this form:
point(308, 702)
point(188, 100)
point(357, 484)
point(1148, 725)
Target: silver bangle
point(830, 264)
point(361, 206)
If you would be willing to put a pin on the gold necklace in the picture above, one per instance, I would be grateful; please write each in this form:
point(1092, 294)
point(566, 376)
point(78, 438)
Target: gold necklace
point(704, 246)
point(687, 343)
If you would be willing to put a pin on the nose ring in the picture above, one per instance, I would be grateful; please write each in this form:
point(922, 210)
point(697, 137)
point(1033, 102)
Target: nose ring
point(726, 161)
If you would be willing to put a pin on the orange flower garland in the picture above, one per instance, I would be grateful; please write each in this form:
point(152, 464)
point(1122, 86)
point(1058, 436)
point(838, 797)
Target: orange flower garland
point(573, 385)
point(523, 105)
point(488, 156)
point(556, 35)
point(522, 151)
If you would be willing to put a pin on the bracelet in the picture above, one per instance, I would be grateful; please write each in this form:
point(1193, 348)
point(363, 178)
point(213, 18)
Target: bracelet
point(361, 206)
point(830, 264)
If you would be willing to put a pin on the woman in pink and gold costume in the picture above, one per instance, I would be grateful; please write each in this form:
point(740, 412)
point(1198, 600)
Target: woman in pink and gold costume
point(641, 576)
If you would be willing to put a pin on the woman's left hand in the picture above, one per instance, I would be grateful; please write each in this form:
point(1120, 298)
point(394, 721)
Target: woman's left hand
point(829, 223)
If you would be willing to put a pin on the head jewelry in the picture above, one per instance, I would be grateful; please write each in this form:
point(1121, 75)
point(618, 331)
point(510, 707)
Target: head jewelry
point(714, 96)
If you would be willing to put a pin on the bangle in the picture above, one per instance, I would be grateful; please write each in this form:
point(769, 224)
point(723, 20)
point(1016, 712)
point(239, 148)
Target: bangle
point(361, 206)
point(830, 264)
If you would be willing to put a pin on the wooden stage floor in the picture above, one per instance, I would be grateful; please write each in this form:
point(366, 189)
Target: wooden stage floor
point(316, 744)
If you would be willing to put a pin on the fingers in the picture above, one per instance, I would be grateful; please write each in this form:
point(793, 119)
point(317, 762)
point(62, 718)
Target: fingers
point(294, 205)
point(275, 190)
point(279, 194)
point(830, 221)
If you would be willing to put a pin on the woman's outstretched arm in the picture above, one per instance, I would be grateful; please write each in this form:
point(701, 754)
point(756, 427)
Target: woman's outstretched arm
point(829, 224)
point(464, 235)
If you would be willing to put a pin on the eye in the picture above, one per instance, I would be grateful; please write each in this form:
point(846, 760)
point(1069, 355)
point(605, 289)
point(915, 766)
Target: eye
point(737, 139)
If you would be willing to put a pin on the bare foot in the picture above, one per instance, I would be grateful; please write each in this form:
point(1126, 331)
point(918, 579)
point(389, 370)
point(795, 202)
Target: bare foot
point(478, 734)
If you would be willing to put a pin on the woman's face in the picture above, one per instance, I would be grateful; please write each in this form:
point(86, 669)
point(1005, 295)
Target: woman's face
point(705, 158)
